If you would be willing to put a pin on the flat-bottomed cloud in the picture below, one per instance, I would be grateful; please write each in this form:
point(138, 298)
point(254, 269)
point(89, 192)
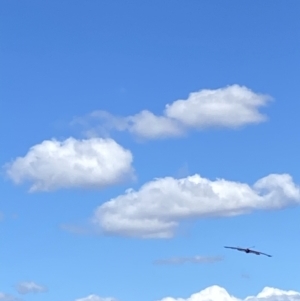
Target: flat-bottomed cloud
point(90, 163)
point(156, 209)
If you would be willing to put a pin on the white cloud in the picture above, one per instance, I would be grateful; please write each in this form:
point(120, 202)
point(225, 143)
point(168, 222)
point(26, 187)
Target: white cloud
point(30, 287)
point(72, 163)
point(216, 293)
point(156, 209)
point(150, 126)
point(6, 297)
point(193, 259)
point(229, 107)
point(96, 298)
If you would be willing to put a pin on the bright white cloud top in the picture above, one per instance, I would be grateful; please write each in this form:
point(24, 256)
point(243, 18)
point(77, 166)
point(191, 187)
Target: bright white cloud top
point(156, 209)
point(30, 287)
point(217, 293)
point(229, 107)
point(71, 163)
point(96, 298)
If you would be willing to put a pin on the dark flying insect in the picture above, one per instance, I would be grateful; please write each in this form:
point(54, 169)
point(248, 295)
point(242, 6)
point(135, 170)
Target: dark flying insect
point(247, 250)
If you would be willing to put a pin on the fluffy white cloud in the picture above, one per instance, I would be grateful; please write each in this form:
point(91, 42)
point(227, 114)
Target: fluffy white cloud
point(194, 259)
point(30, 287)
point(71, 163)
point(229, 107)
point(96, 298)
point(156, 209)
point(216, 293)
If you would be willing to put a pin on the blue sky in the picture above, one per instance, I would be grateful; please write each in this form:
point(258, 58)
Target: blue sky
point(165, 98)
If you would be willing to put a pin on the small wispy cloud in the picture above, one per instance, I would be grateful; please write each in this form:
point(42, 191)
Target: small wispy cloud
point(30, 287)
point(193, 259)
point(6, 297)
point(245, 276)
point(183, 171)
point(80, 228)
